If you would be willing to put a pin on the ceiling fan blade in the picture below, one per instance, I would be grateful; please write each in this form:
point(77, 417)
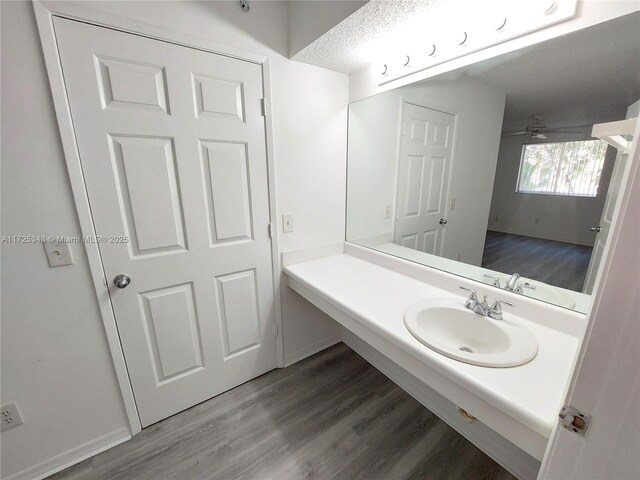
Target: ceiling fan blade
point(514, 133)
point(553, 130)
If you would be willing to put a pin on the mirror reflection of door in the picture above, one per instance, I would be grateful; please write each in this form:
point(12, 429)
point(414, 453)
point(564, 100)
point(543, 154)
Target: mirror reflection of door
point(602, 229)
point(607, 218)
point(426, 144)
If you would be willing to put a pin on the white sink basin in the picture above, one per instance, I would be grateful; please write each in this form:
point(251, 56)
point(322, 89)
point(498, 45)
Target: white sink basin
point(540, 291)
point(446, 326)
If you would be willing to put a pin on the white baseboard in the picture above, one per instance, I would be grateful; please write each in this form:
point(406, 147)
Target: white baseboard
point(73, 456)
point(312, 349)
point(515, 460)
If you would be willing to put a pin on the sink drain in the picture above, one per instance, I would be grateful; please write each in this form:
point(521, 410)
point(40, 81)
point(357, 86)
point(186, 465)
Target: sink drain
point(465, 349)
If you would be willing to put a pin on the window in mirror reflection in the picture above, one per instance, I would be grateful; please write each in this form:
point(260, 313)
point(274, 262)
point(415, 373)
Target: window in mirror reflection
point(562, 168)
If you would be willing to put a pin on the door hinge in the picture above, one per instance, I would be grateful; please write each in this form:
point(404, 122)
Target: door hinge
point(574, 420)
point(276, 330)
point(402, 132)
point(263, 107)
point(270, 230)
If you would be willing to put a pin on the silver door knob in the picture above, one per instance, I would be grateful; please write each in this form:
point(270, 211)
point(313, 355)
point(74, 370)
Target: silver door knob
point(595, 229)
point(443, 221)
point(121, 281)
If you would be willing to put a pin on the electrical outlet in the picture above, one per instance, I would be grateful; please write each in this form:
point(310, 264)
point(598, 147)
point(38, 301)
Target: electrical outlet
point(10, 416)
point(287, 222)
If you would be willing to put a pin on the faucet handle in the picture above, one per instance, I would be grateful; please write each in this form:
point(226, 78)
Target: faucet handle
point(473, 294)
point(498, 302)
point(495, 282)
point(495, 311)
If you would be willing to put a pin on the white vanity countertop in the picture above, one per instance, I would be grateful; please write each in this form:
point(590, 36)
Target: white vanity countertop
point(377, 297)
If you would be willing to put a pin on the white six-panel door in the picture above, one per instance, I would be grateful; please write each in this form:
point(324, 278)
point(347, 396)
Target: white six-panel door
point(426, 146)
point(172, 144)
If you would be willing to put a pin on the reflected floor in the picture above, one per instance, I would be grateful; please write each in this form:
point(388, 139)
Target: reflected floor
point(555, 263)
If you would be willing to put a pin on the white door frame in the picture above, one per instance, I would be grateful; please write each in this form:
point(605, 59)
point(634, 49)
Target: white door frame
point(44, 13)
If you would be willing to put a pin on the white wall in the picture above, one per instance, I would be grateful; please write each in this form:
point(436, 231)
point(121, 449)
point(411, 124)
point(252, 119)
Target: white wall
point(564, 219)
point(372, 163)
point(479, 111)
point(310, 19)
point(310, 130)
point(55, 361)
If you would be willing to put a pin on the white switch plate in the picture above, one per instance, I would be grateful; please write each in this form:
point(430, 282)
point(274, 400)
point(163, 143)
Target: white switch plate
point(58, 253)
point(287, 222)
point(9, 416)
point(387, 211)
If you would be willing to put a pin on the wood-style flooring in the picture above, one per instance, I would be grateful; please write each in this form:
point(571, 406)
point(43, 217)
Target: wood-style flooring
point(555, 263)
point(331, 416)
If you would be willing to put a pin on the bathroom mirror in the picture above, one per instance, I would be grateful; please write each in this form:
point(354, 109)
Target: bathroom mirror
point(491, 170)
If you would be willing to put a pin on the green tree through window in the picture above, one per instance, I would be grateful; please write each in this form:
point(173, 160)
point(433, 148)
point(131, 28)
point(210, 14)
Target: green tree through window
point(562, 168)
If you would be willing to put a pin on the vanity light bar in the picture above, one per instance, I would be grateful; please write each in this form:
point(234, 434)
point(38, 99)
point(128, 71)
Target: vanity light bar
point(505, 26)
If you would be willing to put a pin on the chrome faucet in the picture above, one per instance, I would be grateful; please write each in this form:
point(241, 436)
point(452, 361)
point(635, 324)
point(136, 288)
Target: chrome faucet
point(482, 307)
point(474, 304)
point(512, 283)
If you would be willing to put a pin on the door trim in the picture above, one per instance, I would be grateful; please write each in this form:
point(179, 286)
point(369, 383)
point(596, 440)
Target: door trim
point(44, 13)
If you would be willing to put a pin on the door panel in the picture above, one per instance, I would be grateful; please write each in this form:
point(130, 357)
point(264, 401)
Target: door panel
point(430, 241)
point(413, 186)
point(434, 187)
point(423, 178)
point(238, 303)
point(410, 241)
point(172, 330)
point(227, 185)
point(172, 144)
point(217, 97)
point(606, 220)
point(125, 84)
point(145, 169)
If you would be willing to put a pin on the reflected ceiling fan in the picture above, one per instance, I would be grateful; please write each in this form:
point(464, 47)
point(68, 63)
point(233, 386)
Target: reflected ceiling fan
point(537, 129)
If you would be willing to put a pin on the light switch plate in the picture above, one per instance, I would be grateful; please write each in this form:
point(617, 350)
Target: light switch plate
point(287, 222)
point(58, 253)
point(387, 211)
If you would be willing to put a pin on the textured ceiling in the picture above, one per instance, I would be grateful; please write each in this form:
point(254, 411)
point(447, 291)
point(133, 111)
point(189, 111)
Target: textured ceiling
point(344, 48)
